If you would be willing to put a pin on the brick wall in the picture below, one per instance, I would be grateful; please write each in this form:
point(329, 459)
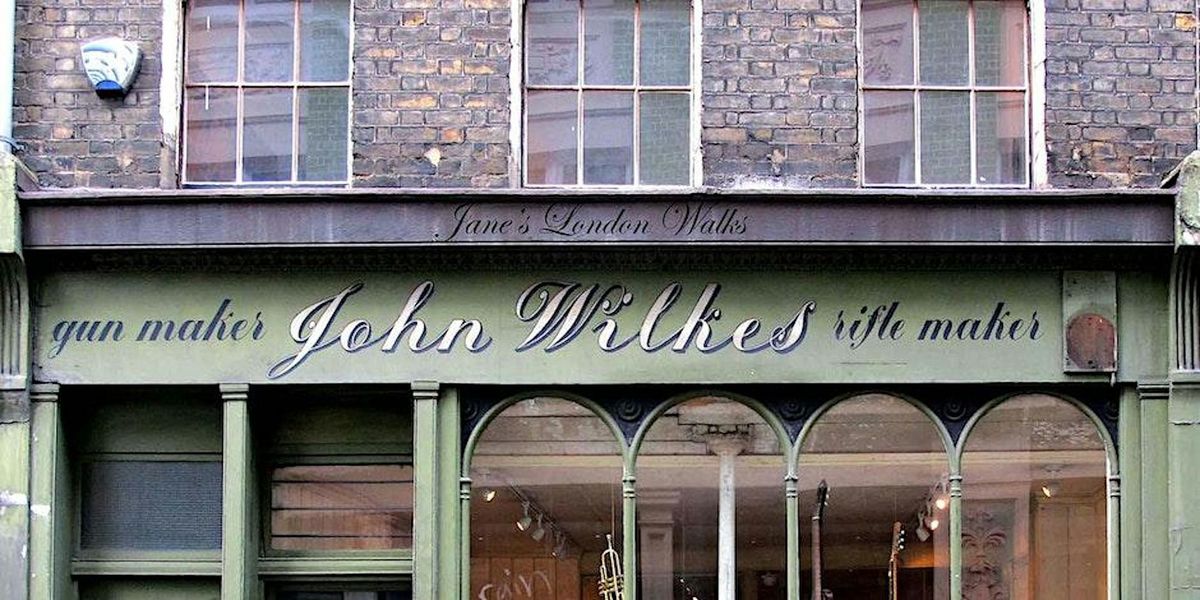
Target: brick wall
point(431, 85)
point(431, 81)
point(1120, 90)
point(779, 93)
point(72, 137)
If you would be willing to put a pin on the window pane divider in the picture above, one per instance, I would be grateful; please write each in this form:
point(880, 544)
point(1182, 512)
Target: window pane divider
point(636, 150)
point(238, 85)
point(581, 88)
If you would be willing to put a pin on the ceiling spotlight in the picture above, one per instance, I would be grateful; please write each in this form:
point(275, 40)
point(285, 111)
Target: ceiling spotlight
point(1050, 488)
point(524, 522)
point(539, 532)
point(933, 524)
point(941, 503)
point(922, 532)
point(560, 545)
point(489, 495)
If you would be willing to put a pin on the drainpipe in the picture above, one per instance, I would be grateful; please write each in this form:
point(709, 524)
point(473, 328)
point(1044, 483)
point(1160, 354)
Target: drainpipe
point(8, 30)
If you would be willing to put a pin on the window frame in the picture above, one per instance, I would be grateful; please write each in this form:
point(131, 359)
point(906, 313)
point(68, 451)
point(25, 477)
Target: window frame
point(954, 428)
point(1034, 75)
point(521, 88)
point(282, 563)
point(240, 85)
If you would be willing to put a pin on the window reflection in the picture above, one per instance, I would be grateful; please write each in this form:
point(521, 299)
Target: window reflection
point(885, 464)
point(1034, 503)
point(683, 499)
point(546, 479)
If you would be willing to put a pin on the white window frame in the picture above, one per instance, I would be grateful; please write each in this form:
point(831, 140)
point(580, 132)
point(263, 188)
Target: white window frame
point(240, 85)
point(1033, 89)
point(518, 172)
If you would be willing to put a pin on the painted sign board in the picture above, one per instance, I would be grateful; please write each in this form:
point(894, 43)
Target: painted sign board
point(550, 328)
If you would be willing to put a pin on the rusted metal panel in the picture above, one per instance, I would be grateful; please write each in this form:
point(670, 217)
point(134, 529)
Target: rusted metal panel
point(510, 218)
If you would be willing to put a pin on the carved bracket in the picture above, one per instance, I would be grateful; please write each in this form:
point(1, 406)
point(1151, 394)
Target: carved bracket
point(1187, 200)
point(14, 285)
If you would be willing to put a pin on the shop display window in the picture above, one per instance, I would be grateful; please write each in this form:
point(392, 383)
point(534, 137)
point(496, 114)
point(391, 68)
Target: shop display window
point(338, 474)
point(547, 499)
point(703, 463)
point(1035, 503)
point(884, 526)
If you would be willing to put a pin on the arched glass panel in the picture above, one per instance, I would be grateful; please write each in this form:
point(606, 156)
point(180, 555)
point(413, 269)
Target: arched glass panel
point(886, 469)
point(1034, 503)
point(546, 493)
point(706, 463)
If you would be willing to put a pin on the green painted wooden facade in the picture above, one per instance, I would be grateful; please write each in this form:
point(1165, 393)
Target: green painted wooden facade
point(1153, 547)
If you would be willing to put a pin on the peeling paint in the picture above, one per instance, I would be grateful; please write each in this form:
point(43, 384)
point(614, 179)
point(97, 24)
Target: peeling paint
point(40, 510)
point(8, 498)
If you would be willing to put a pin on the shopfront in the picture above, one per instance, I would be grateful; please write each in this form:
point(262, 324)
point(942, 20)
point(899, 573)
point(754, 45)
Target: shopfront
point(501, 422)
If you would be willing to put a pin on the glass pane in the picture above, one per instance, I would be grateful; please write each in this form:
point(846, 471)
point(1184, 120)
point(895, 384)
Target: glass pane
point(1000, 134)
point(267, 135)
point(886, 469)
point(315, 595)
point(945, 137)
point(211, 134)
point(324, 120)
point(944, 55)
point(608, 49)
point(608, 137)
point(889, 151)
point(212, 40)
point(681, 492)
point(125, 587)
point(666, 42)
point(151, 505)
point(269, 39)
point(327, 507)
point(1034, 503)
point(552, 42)
point(887, 39)
point(324, 40)
point(552, 137)
point(664, 129)
point(999, 42)
point(545, 500)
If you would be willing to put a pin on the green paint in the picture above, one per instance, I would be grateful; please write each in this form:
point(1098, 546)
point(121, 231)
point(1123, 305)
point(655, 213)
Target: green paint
point(10, 210)
point(1184, 487)
point(450, 570)
point(132, 298)
point(1156, 563)
point(426, 530)
point(1131, 500)
point(14, 518)
point(154, 588)
point(239, 580)
point(49, 532)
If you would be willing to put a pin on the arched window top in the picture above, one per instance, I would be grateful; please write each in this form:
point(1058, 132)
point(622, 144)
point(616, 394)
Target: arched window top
point(681, 429)
point(870, 423)
point(1035, 422)
point(546, 425)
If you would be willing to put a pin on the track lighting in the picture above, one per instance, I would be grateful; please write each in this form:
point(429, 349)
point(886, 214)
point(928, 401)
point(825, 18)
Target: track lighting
point(539, 532)
point(524, 522)
point(489, 495)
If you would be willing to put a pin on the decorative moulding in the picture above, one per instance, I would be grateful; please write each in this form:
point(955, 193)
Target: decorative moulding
point(112, 65)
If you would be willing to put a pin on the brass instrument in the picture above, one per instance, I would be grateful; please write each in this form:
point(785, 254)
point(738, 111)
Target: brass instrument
point(612, 578)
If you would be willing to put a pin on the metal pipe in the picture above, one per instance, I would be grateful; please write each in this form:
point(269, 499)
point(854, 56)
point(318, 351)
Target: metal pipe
point(8, 31)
